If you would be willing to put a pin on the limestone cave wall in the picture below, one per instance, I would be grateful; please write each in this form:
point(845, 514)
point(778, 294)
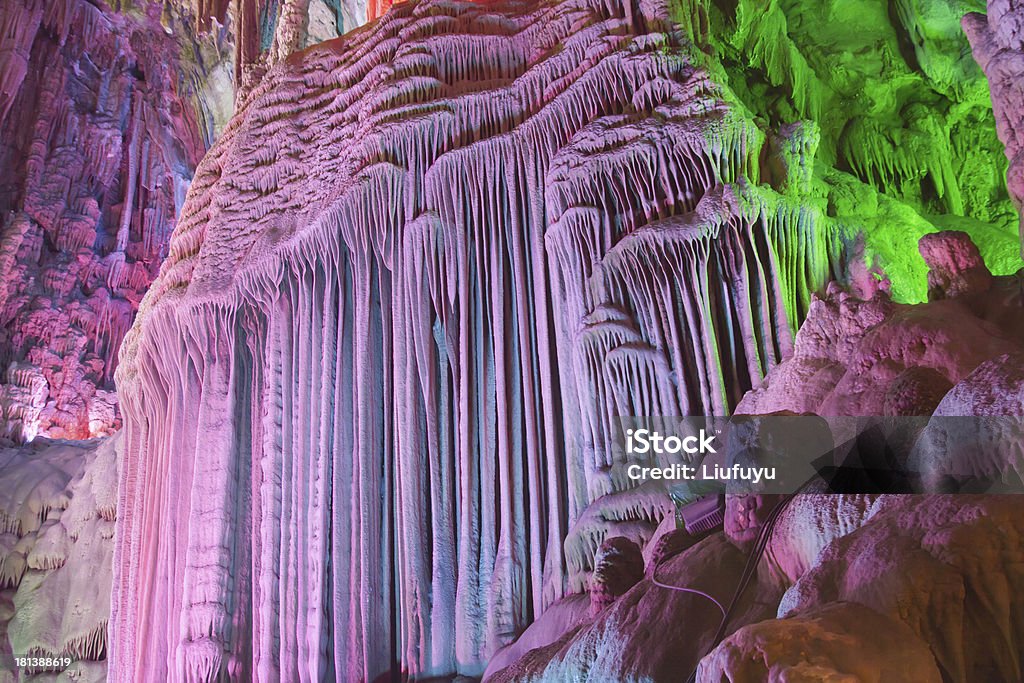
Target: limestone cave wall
point(371, 394)
point(374, 303)
point(98, 148)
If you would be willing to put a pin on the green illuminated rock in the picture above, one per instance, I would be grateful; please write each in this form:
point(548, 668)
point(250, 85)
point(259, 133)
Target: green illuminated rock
point(893, 134)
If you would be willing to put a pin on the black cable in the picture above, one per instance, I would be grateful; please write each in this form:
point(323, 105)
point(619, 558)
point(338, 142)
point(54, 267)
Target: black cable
point(750, 569)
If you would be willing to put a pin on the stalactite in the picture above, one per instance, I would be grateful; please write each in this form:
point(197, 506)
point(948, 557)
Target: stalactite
point(357, 349)
point(58, 504)
point(18, 26)
point(105, 142)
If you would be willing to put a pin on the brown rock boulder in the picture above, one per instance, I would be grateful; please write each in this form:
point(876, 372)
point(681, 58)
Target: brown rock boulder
point(619, 564)
point(957, 268)
point(838, 642)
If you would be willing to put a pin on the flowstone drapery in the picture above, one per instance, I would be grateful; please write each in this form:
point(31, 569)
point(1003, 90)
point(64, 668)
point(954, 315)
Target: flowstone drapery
point(412, 286)
point(371, 398)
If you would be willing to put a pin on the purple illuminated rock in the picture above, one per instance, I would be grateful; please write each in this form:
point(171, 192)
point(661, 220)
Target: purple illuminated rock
point(652, 633)
point(618, 565)
point(97, 150)
point(997, 40)
point(934, 564)
point(411, 289)
point(861, 357)
point(955, 266)
point(824, 644)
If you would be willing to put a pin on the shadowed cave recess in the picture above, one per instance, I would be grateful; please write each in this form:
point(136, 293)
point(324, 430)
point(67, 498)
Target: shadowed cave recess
point(320, 317)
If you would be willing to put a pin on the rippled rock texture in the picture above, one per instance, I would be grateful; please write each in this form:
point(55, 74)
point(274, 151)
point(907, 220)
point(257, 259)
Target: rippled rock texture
point(369, 399)
point(409, 287)
point(58, 501)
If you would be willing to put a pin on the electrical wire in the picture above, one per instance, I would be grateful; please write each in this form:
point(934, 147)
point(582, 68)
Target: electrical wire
point(684, 589)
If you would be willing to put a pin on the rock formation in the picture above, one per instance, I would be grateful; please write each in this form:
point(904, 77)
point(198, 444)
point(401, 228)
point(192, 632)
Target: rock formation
point(824, 644)
point(946, 589)
point(618, 565)
point(371, 400)
point(104, 114)
point(384, 250)
point(997, 40)
point(418, 277)
point(877, 357)
point(651, 632)
point(98, 149)
point(236, 42)
point(57, 509)
point(936, 605)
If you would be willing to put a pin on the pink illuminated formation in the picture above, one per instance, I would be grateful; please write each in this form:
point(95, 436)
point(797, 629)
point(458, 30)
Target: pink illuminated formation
point(997, 41)
point(100, 150)
point(411, 286)
point(371, 352)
